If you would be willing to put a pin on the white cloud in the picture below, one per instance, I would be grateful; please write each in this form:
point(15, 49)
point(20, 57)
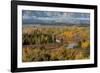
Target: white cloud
point(55, 16)
point(25, 17)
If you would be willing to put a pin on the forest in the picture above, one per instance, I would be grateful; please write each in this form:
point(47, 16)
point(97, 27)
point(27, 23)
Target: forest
point(55, 43)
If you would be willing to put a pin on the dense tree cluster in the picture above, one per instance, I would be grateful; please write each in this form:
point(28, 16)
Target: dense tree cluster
point(38, 38)
point(68, 43)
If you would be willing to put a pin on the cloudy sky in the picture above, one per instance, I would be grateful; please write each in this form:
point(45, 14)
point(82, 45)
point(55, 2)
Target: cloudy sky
point(49, 17)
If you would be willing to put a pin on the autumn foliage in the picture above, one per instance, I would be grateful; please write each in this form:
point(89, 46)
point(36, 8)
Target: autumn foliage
point(44, 45)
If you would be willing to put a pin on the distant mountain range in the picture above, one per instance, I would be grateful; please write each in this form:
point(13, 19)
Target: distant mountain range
point(40, 22)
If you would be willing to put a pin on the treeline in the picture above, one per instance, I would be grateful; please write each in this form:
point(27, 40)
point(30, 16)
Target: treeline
point(38, 37)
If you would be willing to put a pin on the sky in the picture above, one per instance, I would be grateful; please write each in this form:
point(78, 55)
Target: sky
point(54, 17)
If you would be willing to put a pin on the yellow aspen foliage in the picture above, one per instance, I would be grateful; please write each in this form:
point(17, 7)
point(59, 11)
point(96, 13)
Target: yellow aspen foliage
point(79, 55)
point(85, 44)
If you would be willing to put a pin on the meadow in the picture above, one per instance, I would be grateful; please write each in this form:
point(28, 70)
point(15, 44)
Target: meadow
point(53, 43)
